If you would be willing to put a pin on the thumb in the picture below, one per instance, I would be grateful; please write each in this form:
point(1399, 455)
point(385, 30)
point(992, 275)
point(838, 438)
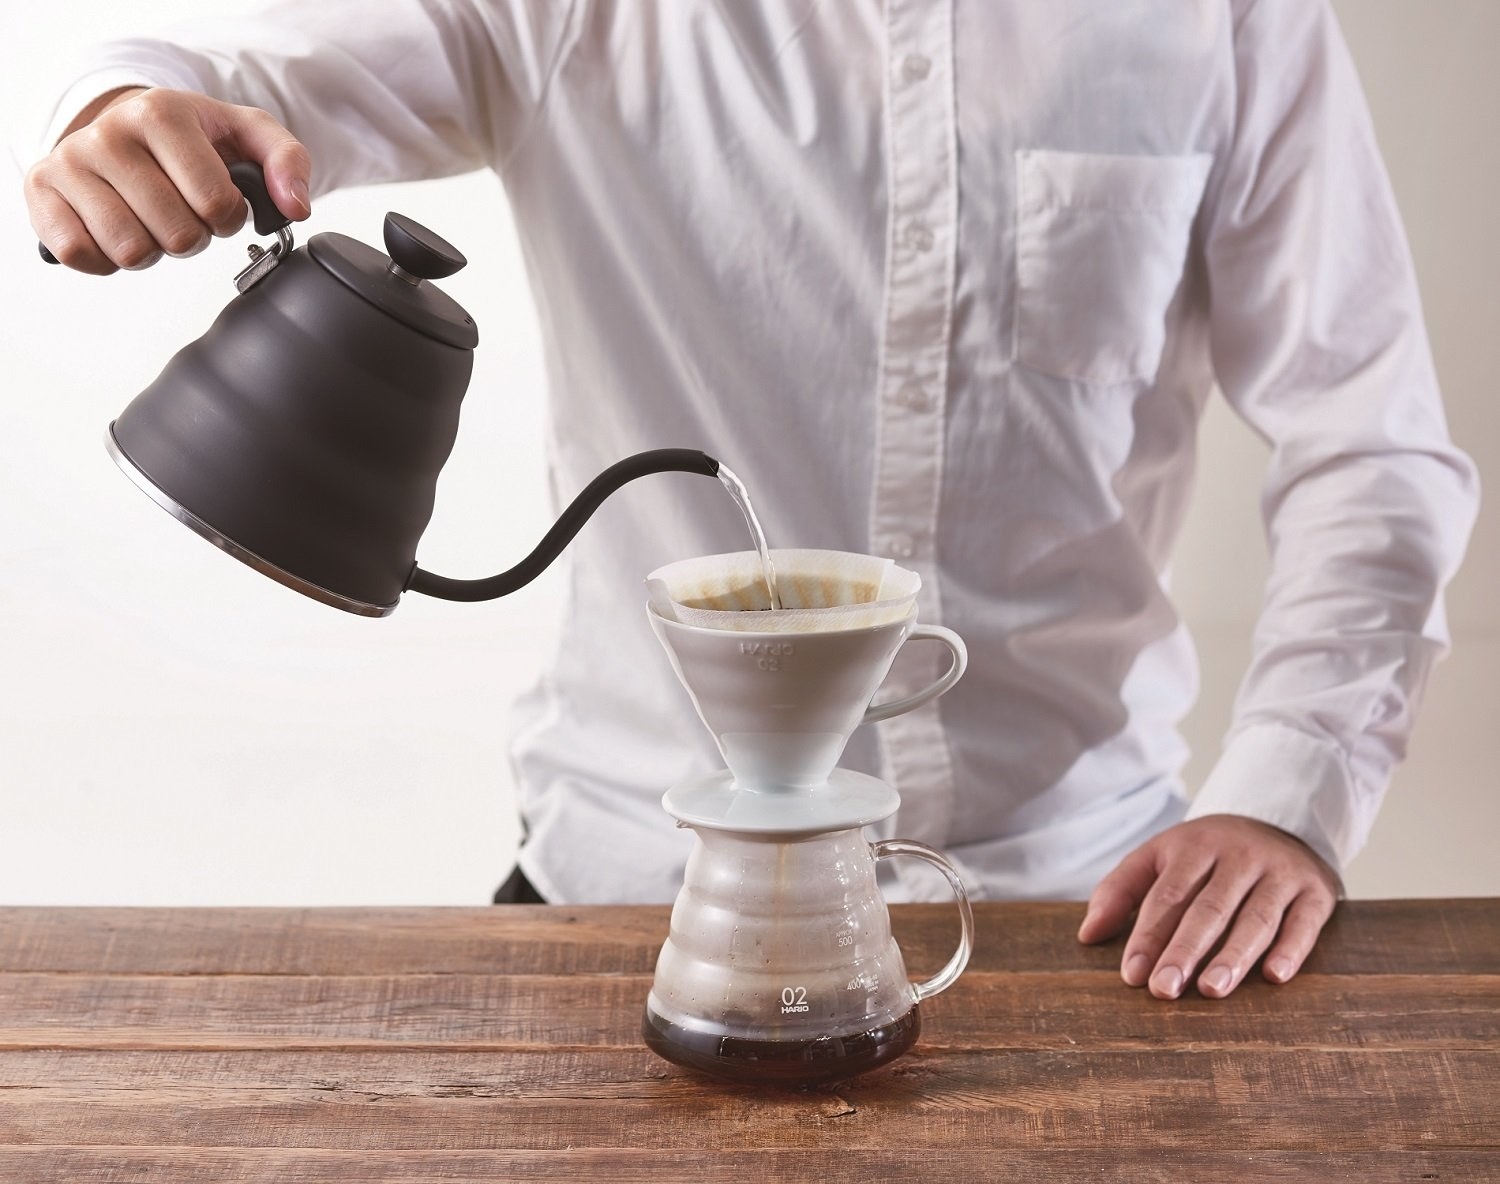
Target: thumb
point(288, 174)
point(255, 135)
point(1118, 895)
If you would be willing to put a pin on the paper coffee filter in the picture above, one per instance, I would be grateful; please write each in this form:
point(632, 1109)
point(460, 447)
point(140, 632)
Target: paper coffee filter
point(819, 590)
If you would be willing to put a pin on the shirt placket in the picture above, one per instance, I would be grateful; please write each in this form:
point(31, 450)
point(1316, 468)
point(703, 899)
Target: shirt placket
point(921, 243)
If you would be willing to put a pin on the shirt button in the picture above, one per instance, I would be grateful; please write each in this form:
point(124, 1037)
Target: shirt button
point(902, 546)
point(919, 236)
point(916, 66)
point(914, 395)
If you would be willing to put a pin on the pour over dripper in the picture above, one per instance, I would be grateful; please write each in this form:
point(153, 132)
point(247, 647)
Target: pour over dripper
point(782, 707)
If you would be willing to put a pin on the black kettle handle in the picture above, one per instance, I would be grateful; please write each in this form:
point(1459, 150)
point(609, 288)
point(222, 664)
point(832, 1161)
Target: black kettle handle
point(250, 179)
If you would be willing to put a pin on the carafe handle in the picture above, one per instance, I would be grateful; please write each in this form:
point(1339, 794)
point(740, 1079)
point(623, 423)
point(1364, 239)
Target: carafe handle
point(960, 653)
point(945, 977)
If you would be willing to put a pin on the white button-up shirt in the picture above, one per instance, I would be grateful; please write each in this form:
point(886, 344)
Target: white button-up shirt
point(948, 281)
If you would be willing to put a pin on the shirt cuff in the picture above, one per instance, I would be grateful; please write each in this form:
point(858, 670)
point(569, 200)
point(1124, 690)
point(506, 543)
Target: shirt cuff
point(1291, 780)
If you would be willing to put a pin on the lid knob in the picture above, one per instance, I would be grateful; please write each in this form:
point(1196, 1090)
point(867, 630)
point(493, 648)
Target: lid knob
point(417, 252)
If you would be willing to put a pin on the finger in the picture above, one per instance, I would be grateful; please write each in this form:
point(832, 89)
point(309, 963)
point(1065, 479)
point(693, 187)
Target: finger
point(1255, 928)
point(155, 151)
point(177, 141)
point(1203, 923)
point(1118, 895)
point(156, 201)
point(110, 222)
point(256, 135)
point(1299, 931)
point(62, 231)
point(1177, 886)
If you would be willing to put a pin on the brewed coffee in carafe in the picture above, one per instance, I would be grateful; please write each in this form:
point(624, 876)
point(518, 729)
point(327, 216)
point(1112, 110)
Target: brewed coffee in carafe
point(780, 965)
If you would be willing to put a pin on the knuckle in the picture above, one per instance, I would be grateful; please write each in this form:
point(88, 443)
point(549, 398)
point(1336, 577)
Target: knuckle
point(156, 107)
point(1236, 955)
point(38, 179)
point(79, 253)
point(1324, 898)
point(1172, 894)
point(296, 152)
point(1311, 910)
point(92, 150)
point(1298, 935)
point(1295, 948)
point(70, 249)
point(86, 144)
point(1260, 916)
point(1180, 952)
point(1153, 934)
point(1213, 908)
point(258, 115)
point(223, 207)
point(183, 240)
point(132, 253)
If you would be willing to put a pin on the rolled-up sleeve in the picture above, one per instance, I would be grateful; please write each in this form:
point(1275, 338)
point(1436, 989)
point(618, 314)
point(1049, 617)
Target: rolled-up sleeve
point(1318, 343)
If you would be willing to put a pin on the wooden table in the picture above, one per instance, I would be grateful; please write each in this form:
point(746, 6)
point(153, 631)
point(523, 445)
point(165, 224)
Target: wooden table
point(365, 1045)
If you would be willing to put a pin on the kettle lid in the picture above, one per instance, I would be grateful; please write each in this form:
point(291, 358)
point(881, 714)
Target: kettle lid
point(399, 284)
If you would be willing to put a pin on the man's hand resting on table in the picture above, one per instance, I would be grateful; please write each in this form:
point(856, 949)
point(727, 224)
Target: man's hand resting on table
point(1199, 880)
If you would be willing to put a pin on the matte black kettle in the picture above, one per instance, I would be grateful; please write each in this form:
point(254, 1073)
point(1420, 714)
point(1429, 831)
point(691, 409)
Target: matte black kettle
point(304, 432)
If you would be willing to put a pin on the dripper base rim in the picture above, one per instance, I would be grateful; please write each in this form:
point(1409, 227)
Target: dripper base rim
point(846, 800)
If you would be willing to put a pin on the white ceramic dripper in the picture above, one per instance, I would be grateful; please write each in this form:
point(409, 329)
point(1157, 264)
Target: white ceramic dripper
point(783, 706)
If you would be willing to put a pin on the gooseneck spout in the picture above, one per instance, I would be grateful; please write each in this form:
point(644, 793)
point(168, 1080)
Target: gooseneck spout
point(660, 460)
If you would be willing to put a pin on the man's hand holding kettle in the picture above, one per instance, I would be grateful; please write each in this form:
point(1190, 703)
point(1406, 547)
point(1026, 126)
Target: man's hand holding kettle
point(142, 173)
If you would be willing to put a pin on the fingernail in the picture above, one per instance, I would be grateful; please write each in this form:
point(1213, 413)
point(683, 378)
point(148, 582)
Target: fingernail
point(1137, 968)
point(1218, 978)
point(299, 192)
point(1280, 969)
point(150, 260)
point(1168, 982)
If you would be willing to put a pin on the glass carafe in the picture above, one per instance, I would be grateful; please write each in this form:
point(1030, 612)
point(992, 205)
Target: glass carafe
point(781, 967)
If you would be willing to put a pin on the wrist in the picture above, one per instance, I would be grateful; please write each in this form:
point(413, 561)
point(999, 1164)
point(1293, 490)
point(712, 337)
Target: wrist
point(1294, 781)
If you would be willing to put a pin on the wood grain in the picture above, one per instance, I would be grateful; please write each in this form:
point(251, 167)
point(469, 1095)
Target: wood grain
point(501, 1011)
point(1367, 937)
point(929, 1100)
point(835, 1165)
point(501, 1044)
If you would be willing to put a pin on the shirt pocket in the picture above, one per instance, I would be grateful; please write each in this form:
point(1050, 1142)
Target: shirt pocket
point(1100, 245)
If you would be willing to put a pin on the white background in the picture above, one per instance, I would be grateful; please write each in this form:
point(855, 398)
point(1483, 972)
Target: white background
point(174, 729)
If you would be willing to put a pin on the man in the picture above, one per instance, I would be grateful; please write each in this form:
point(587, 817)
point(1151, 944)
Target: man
point(945, 280)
